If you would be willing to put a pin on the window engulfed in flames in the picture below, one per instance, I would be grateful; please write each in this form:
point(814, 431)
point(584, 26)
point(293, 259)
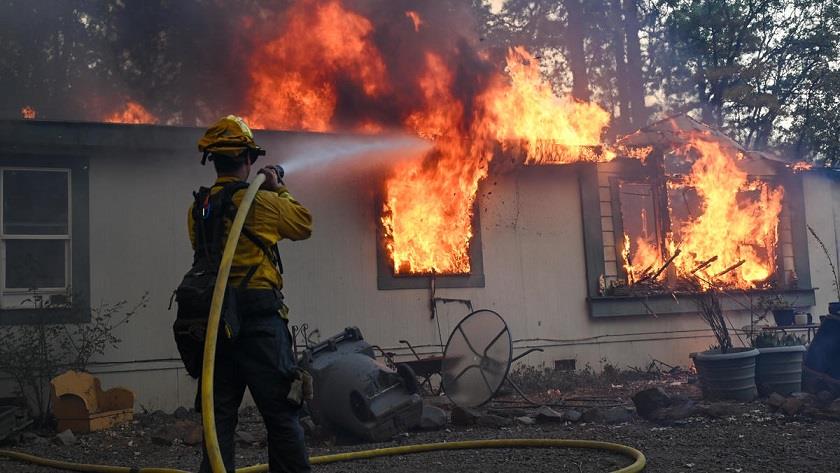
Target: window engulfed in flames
point(724, 226)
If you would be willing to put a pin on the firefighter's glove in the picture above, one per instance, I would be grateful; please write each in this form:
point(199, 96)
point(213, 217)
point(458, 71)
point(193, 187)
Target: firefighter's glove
point(301, 389)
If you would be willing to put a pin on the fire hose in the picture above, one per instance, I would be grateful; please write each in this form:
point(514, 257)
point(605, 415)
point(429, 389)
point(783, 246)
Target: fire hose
point(209, 419)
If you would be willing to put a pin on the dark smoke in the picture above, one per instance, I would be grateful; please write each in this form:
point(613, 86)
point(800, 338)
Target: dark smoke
point(188, 61)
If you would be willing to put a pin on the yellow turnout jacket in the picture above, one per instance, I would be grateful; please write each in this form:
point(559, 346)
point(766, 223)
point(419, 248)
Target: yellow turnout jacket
point(273, 217)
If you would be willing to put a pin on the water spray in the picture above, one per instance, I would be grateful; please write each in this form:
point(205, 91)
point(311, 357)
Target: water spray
point(310, 154)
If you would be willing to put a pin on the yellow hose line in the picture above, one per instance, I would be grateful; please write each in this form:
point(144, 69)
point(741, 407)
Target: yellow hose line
point(637, 465)
point(209, 418)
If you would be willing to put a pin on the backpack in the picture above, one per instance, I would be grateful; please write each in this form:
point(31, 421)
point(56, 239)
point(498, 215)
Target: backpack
point(211, 213)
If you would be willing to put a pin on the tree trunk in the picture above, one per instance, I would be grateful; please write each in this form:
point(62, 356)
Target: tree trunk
point(616, 21)
point(574, 46)
point(635, 83)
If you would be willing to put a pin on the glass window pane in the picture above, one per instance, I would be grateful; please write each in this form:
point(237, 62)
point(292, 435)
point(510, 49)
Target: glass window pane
point(32, 264)
point(35, 202)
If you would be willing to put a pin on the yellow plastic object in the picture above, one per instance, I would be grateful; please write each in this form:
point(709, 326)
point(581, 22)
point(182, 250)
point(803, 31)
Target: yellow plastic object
point(80, 404)
point(209, 420)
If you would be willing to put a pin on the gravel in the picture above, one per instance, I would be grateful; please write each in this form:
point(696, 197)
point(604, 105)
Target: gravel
point(754, 440)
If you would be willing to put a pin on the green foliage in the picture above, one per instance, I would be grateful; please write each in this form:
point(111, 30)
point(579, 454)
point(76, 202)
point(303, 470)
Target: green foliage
point(34, 354)
point(770, 340)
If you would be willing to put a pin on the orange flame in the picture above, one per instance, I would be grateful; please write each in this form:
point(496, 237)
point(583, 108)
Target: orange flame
point(732, 241)
point(801, 166)
point(133, 113)
point(428, 209)
point(555, 129)
point(294, 86)
point(415, 19)
point(28, 113)
point(326, 54)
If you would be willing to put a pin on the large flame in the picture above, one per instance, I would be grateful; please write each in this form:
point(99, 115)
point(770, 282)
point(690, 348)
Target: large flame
point(325, 71)
point(731, 242)
point(553, 129)
point(133, 113)
point(428, 209)
point(297, 74)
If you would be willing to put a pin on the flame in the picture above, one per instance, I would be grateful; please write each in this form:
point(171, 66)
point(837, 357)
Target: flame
point(555, 129)
point(133, 113)
point(428, 208)
point(28, 113)
point(324, 71)
point(415, 19)
point(732, 241)
point(801, 166)
point(294, 86)
point(636, 152)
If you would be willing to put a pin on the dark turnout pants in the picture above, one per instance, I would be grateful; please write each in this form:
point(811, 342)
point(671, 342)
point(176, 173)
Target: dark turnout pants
point(261, 358)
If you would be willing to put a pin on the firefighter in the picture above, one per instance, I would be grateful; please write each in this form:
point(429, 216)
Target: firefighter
point(255, 347)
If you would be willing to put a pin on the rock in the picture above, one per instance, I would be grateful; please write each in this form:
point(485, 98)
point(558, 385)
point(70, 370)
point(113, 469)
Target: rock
point(776, 400)
point(546, 414)
point(616, 415)
point(650, 400)
point(572, 415)
point(164, 435)
point(185, 431)
point(181, 413)
point(807, 399)
point(66, 438)
point(493, 421)
point(464, 416)
point(432, 418)
point(792, 405)
point(612, 415)
point(834, 408)
point(154, 418)
point(825, 397)
point(525, 420)
point(680, 411)
point(194, 436)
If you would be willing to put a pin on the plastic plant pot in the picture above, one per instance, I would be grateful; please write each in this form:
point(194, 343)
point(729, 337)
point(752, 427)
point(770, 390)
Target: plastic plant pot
point(727, 375)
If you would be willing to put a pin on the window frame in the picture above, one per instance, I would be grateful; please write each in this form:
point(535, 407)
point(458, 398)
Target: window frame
point(666, 304)
point(386, 280)
point(67, 238)
point(77, 246)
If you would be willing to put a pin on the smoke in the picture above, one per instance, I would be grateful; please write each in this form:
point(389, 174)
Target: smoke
point(192, 61)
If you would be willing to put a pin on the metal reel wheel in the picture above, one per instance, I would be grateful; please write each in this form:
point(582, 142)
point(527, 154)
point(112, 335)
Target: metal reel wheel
point(477, 358)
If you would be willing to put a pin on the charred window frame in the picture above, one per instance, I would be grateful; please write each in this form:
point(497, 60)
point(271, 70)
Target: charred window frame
point(387, 280)
point(603, 242)
point(69, 301)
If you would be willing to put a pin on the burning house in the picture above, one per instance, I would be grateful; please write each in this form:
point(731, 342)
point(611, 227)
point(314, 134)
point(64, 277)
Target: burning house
point(589, 250)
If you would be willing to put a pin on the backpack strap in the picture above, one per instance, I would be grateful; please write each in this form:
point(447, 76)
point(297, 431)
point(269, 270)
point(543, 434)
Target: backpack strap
point(229, 210)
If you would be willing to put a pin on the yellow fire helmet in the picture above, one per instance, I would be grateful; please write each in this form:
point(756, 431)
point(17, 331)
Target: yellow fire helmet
point(229, 136)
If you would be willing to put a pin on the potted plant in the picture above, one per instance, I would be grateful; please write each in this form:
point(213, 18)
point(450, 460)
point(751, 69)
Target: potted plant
point(725, 372)
point(779, 364)
point(782, 309)
point(833, 307)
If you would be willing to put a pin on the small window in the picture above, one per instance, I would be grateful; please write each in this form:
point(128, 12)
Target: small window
point(387, 280)
point(35, 237)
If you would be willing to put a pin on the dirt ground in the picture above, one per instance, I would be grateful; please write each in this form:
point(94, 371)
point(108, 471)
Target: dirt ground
point(754, 441)
point(750, 438)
